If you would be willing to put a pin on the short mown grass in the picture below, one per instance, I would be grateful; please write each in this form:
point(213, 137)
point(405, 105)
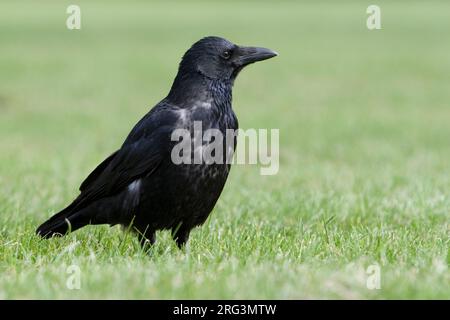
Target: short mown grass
point(364, 121)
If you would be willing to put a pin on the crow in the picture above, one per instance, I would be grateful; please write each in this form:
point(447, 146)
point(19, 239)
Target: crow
point(140, 186)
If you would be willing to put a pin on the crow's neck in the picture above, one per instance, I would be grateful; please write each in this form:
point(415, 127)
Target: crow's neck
point(194, 89)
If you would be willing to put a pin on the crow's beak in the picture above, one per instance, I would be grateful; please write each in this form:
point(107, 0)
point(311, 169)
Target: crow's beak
point(247, 55)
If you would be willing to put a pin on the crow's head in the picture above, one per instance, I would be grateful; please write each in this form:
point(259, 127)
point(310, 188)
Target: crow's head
point(218, 58)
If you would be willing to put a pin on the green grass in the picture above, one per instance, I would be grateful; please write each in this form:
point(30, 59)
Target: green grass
point(364, 121)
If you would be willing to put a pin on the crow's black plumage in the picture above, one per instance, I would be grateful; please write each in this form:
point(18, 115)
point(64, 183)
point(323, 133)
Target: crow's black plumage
point(139, 185)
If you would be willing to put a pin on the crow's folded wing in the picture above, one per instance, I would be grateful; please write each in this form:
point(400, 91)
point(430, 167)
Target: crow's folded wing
point(97, 172)
point(133, 161)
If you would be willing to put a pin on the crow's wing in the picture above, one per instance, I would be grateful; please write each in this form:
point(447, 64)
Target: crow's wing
point(146, 147)
point(97, 172)
point(133, 161)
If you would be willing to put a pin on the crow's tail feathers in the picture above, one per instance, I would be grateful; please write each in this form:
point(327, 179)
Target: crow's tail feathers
point(59, 224)
point(75, 217)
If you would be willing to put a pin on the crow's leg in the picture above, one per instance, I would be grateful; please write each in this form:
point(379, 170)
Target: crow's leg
point(181, 235)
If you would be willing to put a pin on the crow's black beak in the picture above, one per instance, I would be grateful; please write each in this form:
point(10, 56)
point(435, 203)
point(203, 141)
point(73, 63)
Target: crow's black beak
point(247, 55)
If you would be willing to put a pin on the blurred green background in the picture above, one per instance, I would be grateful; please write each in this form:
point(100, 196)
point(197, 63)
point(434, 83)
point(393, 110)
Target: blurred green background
point(364, 119)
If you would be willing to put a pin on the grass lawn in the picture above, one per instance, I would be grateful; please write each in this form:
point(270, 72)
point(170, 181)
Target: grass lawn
point(364, 119)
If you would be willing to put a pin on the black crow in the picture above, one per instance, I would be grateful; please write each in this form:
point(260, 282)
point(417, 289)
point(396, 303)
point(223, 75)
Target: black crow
point(139, 185)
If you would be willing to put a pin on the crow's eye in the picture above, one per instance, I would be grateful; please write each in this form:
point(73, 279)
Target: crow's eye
point(226, 54)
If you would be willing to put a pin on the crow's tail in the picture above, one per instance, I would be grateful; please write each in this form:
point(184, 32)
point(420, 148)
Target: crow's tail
point(76, 216)
point(59, 224)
